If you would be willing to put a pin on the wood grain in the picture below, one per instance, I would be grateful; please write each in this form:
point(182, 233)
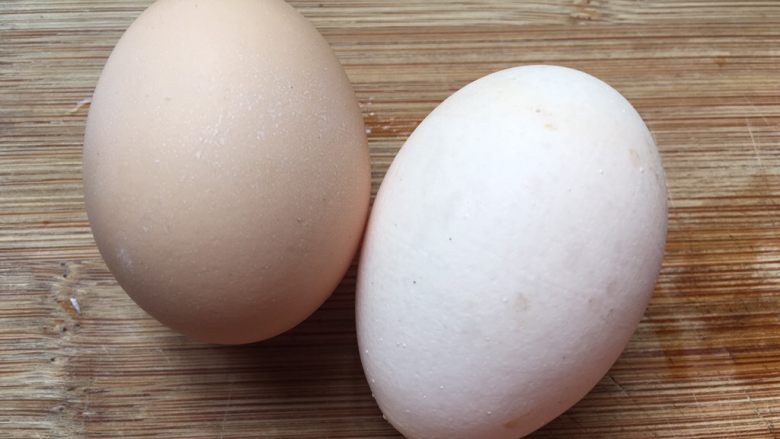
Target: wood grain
point(704, 363)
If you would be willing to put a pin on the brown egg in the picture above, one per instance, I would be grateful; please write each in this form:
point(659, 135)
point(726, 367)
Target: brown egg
point(226, 171)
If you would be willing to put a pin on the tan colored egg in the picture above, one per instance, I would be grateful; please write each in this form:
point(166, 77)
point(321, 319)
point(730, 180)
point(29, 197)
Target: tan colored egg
point(226, 172)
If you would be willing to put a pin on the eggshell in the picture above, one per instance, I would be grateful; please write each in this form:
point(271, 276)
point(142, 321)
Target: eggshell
point(510, 254)
point(226, 170)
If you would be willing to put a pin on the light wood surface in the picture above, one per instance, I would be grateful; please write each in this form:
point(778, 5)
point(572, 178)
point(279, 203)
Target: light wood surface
point(704, 363)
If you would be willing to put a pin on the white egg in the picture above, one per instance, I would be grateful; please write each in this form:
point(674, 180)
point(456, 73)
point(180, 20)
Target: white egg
point(512, 249)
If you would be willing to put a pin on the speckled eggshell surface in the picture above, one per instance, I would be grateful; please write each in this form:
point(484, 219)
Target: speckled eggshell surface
point(226, 170)
point(511, 252)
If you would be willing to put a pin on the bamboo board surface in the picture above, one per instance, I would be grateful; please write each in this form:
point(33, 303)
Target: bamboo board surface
point(704, 363)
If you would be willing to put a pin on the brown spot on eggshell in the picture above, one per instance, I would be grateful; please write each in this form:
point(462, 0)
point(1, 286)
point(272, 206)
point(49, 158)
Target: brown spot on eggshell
point(634, 156)
point(516, 422)
point(520, 303)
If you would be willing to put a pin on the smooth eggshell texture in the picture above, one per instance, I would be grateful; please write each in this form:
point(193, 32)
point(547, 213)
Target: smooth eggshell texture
point(511, 251)
point(226, 170)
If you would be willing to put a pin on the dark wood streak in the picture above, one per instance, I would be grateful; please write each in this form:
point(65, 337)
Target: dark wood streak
point(704, 363)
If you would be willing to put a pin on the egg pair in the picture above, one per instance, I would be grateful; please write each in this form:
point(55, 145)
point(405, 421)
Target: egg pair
point(510, 253)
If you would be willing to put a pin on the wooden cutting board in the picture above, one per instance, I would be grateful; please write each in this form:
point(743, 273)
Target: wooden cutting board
point(79, 359)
